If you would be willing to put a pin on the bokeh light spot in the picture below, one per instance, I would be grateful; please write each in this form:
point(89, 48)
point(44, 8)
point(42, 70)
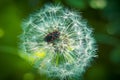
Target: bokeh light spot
point(1, 32)
point(40, 54)
point(115, 55)
point(28, 76)
point(111, 30)
point(98, 4)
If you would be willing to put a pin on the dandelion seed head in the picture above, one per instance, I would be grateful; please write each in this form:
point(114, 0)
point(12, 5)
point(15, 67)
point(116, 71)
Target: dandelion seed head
point(60, 42)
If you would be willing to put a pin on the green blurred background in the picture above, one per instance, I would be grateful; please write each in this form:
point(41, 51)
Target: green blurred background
point(102, 15)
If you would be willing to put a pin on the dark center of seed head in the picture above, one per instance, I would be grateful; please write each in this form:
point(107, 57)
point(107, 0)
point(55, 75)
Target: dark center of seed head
point(52, 36)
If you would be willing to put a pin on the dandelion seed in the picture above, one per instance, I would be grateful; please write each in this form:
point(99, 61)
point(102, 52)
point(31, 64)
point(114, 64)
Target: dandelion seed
point(59, 41)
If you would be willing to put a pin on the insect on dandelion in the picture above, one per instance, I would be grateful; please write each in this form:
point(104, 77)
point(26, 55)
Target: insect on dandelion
point(59, 42)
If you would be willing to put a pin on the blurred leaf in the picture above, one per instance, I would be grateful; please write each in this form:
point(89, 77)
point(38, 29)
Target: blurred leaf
point(115, 55)
point(76, 3)
point(97, 72)
point(106, 39)
point(12, 67)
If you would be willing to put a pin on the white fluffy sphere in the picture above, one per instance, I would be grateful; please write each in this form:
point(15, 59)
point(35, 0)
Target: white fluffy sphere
point(59, 41)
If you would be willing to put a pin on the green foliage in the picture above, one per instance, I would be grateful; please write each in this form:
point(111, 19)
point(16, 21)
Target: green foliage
point(102, 15)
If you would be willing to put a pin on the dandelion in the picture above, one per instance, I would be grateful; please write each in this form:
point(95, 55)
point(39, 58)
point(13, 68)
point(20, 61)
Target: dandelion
point(59, 42)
